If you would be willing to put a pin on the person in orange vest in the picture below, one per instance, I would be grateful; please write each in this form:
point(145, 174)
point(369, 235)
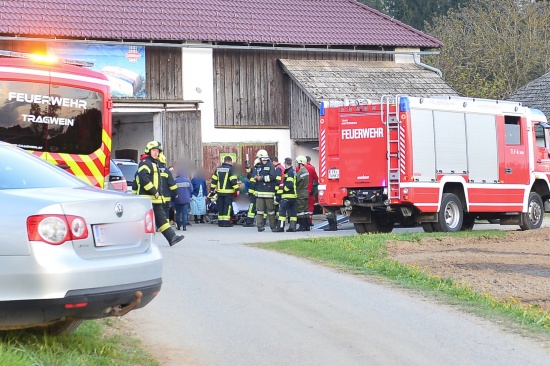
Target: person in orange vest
point(149, 184)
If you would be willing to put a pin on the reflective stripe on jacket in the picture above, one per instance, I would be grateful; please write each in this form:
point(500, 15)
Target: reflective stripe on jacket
point(265, 186)
point(224, 180)
point(148, 183)
point(289, 189)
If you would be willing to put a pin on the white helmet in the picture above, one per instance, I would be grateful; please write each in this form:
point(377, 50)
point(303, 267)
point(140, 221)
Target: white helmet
point(257, 161)
point(300, 159)
point(262, 154)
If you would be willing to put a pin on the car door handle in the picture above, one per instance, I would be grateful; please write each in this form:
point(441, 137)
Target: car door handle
point(508, 170)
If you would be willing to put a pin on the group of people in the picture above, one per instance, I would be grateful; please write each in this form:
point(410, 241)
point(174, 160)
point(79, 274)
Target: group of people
point(279, 193)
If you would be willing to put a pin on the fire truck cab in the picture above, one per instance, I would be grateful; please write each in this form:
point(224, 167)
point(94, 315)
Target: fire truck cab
point(441, 162)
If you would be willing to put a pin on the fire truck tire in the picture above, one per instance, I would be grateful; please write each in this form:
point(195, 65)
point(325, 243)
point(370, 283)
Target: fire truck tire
point(379, 224)
point(532, 219)
point(428, 227)
point(468, 222)
point(451, 215)
point(360, 227)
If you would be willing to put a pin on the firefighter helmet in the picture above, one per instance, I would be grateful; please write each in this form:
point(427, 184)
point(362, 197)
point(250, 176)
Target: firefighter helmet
point(152, 145)
point(300, 159)
point(257, 161)
point(262, 154)
point(162, 157)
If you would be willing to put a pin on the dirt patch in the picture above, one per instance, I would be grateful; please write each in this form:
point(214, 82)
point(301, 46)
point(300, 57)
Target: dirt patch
point(516, 265)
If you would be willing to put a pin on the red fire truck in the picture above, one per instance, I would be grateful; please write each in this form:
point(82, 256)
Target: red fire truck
point(58, 110)
point(442, 162)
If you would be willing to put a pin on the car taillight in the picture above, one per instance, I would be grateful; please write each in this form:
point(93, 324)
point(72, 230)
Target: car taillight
point(150, 222)
point(56, 229)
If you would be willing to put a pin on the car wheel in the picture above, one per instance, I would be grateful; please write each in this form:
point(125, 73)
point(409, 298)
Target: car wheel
point(450, 216)
point(532, 219)
point(59, 327)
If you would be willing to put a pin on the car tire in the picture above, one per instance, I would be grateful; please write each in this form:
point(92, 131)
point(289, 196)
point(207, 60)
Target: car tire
point(59, 327)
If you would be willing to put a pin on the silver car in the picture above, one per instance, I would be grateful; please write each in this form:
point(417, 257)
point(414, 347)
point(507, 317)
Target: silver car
point(70, 251)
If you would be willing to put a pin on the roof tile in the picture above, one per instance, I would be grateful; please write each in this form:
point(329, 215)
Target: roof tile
point(303, 22)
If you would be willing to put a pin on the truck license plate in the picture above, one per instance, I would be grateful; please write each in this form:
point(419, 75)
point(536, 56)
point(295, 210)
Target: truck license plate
point(334, 174)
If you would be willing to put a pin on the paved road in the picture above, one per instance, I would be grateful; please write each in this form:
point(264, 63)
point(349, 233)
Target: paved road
point(226, 303)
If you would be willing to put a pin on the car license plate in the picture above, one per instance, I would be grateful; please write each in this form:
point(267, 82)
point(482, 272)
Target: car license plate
point(124, 233)
point(334, 174)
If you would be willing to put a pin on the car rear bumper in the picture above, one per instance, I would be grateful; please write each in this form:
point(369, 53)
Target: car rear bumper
point(98, 304)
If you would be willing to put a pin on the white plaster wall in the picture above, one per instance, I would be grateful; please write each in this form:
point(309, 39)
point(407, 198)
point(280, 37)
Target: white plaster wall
point(198, 84)
point(405, 58)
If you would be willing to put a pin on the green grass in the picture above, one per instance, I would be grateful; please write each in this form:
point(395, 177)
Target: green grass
point(94, 343)
point(367, 255)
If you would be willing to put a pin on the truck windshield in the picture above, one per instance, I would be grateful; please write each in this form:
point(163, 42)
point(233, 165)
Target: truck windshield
point(50, 118)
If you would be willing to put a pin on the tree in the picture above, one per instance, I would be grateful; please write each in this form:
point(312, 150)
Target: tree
point(491, 48)
point(416, 13)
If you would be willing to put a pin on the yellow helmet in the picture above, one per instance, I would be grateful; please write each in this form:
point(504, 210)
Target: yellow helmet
point(162, 158)
point(300, 159)
point(152, 145)
point(262, 154)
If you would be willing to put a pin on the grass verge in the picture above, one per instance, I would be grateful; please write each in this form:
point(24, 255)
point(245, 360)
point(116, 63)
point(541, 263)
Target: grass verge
point(94, 343)
point(367, 255)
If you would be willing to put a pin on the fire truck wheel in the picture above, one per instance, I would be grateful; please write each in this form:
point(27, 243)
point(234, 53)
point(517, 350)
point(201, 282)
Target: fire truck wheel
point(532, 219)
point(379, 224)
point(360, 228)
point(468, 222)
point(450, 216)
point(428, 227)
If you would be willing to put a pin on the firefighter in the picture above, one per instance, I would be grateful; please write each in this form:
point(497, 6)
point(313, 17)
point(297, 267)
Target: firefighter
point(251, 174)
point(302, 180)
point(311, 188)
point(224, 183)
point(169, 187)
point(149, 184)
point(279, 179)
point(288, 199)
point(265, 191)
point(331, 218)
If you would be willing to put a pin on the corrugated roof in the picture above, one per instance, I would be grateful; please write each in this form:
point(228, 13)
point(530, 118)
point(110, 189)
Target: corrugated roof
point(337, 80)
point(303, 22)
point(536, 94)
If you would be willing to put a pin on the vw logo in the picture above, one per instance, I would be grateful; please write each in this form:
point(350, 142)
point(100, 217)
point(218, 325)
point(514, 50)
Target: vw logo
point(118, 209)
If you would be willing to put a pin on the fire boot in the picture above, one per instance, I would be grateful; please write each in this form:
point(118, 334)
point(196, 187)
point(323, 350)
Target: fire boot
point(291, 227)
point(249, 222)
point(280, 228)
point(332, 225)
point(304, 225)
point(260, 222)
point(307, 222)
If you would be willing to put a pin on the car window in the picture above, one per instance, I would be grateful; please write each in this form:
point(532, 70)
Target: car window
point(114, 169)
point(19, 169)
point(129, 171)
